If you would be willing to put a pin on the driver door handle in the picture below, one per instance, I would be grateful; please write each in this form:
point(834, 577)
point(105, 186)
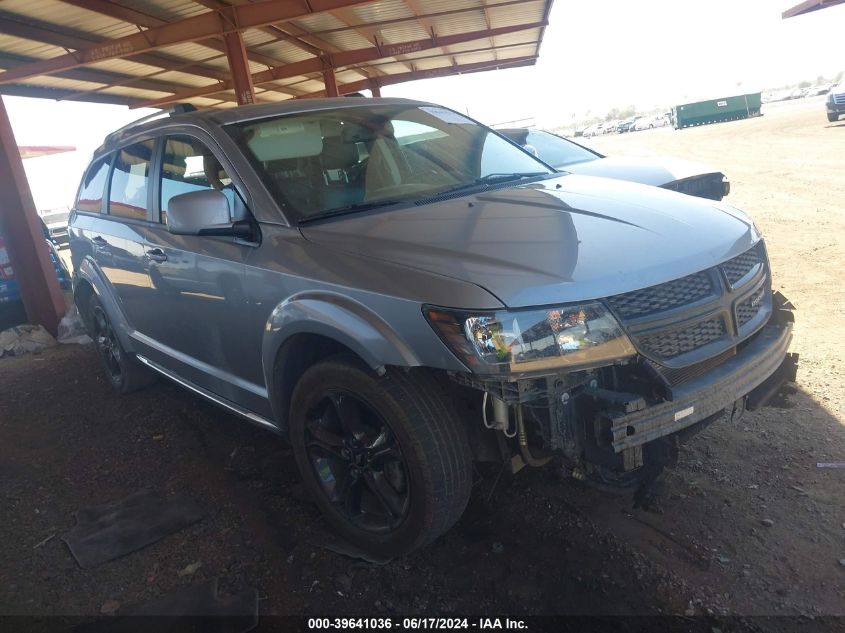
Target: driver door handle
point(157, 255)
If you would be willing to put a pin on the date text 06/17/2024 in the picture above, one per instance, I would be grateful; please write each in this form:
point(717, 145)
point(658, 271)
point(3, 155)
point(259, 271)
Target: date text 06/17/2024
point(416, 624)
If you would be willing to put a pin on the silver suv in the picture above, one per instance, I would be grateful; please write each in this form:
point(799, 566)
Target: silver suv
point(401, 291)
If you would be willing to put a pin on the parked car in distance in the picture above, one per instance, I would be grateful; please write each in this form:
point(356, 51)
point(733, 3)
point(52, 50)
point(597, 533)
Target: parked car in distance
point(590, 130)
point(11, 306)
point(627, 125)
point(649, 122)
point(56, 222)
point(644, 123)
point(566, 155)
point(401, 291)
point(835, 102)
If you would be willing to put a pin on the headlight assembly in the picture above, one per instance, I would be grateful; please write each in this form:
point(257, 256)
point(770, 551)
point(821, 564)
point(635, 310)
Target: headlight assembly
point(548, 339)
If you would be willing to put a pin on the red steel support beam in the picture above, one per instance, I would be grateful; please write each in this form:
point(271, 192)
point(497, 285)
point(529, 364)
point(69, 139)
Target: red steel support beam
point(445, 71)
point(347, 58)
point(331, 83)
point(126, 14)
point(238, 64)
point(374, 87)
point(68, 39)
point(39, 287)
point(198, 27)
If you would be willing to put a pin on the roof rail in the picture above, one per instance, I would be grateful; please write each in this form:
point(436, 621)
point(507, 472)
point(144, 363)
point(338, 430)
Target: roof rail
point(179, 108)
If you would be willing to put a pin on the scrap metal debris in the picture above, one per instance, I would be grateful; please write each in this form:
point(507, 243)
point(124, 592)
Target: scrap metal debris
point(112, 530)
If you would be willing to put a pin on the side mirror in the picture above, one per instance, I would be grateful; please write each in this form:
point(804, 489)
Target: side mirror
point(204, 212)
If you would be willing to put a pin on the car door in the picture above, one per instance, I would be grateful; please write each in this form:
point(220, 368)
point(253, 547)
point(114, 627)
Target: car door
point(117, 240)
point(198, 282)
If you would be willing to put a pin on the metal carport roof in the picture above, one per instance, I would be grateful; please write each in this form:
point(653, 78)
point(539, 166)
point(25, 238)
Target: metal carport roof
point(153, 52)
point(223, 53)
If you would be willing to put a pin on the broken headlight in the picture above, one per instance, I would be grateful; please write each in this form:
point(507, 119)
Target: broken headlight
point(566, 337)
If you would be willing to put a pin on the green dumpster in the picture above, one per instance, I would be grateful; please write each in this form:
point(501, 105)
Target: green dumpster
point(716, 110)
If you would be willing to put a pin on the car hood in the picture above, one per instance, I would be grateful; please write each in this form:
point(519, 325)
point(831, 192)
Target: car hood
point(570, 238)
point(646, 171)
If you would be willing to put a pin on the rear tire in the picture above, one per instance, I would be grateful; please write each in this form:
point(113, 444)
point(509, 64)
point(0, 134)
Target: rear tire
point(123, 372)
point(343, 416)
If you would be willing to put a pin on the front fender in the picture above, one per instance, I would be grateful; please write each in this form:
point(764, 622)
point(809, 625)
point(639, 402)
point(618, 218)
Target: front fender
point(88, 272)
point(339, 318)
point(335, 317)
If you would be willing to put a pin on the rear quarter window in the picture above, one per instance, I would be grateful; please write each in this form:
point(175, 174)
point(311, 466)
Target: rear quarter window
point(90, 198)
point(130, 181)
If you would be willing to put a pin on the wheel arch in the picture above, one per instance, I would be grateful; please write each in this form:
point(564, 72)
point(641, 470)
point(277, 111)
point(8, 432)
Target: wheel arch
point(309, 327)
point(88, 281)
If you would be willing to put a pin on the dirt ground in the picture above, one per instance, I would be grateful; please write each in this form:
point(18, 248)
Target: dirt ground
point(531, 544)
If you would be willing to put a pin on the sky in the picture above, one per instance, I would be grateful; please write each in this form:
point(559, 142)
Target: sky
point(595, 56)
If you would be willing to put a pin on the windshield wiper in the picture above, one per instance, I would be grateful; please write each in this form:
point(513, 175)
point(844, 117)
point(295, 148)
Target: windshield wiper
point(496, 178)
point(349, 209)
point(508, 176)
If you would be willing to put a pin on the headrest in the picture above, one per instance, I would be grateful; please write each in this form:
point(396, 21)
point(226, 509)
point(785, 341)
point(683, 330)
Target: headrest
point(285, 139)
point(376, 127)
point(518, 135)
point(337, 154)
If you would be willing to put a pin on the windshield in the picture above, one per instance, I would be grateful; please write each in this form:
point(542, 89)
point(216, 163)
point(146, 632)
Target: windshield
point(557, 151)
point(353, 158)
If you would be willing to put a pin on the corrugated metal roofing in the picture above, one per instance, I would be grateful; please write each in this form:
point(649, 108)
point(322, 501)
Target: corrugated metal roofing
point(121, 51)
point(167, 9)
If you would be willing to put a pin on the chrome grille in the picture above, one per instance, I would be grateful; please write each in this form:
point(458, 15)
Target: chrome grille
point(839, 99)
point(668, 344)
point(672, 294)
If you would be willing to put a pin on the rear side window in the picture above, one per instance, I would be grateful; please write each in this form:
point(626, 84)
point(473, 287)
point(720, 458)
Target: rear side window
point(188, 165)
point(130, 181)
point(90, 197)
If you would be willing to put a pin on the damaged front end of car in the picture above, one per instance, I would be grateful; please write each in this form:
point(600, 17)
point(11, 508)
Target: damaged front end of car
point(613, 386)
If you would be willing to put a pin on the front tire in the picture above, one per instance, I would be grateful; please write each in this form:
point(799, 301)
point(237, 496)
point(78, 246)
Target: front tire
point(385, 458)
point(124, 373)
point(833, 118)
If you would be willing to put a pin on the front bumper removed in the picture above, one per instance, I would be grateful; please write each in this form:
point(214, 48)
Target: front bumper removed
point(757, 371)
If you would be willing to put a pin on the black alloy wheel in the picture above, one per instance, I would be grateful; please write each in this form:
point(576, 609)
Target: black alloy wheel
point(384, 457)
point(108, 347)
point(358, 462)
point(123, 371)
